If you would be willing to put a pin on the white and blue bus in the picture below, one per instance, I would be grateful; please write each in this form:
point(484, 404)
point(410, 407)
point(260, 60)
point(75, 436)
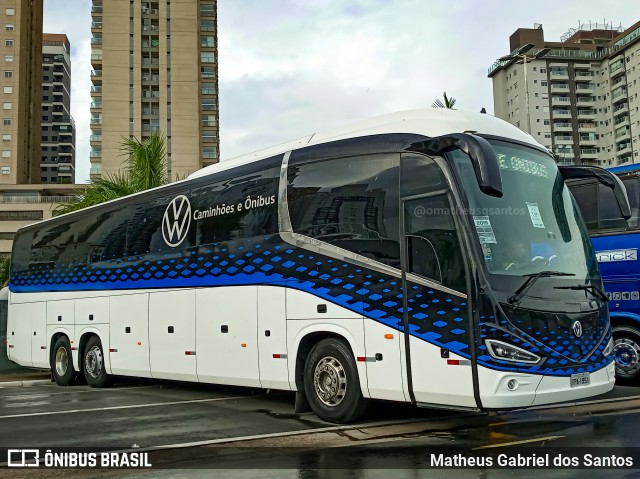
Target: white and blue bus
point(430, 256)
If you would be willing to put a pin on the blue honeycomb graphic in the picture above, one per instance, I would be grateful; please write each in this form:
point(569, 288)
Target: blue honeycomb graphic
point(434, 316)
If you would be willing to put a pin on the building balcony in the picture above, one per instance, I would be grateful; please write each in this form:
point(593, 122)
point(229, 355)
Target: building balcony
point(561, 126)
point(95, 121)
point(616, 69)
point(559, 75)
point(586, 127)
point(586, 115)
point(150, 11)
point(585, 89)
point(588, 141)
point(95, 171)
point(561, 113)
point(584, 74)
point(561, 100)
point(588, 154)
point(619, 95)
point(147, 112)
point(563, 140)
point(96, 73)
point(559, 87)
point(581, 66)
point(95, 138)
point(620, 109)
point(623, 147)
point(585, 101)
point(96, 25)
point(622, 134)
point(95, 154)
point(96, 105)
point(624, 158)
point(150, 28)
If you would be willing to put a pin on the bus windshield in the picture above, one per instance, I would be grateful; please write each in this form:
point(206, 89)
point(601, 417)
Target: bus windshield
point(535, 225)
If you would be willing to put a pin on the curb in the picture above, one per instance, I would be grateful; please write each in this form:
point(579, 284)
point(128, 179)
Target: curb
point(20, 384)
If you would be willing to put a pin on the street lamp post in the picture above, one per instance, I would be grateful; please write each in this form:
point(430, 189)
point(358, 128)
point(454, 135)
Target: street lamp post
point(523, 58)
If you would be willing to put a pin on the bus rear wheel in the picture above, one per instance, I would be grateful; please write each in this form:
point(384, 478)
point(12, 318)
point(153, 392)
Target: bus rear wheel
point(93, 364)
point(626, 352)
point(331, 382)
point(62, 363)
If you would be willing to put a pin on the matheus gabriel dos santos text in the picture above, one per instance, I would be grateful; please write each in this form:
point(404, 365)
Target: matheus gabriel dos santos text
point(531, 460)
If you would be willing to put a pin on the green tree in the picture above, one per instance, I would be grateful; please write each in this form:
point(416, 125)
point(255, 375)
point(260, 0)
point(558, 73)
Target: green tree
point(5, 266)
point(448, 102)
point(146, 168)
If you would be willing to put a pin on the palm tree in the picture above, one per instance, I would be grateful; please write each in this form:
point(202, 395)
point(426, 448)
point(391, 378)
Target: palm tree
point(448, 102)
point(146, 168)
point(5, 266)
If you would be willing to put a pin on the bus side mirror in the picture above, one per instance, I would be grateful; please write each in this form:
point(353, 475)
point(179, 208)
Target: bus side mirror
point(606, 178)
point(483, 157)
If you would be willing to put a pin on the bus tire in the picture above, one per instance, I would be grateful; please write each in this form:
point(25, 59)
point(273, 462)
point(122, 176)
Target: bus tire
point(626, 353)
point(332, 384)
point(93, 364)
point(62, 362)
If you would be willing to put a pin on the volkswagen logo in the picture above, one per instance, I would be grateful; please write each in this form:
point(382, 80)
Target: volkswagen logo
point(176, 221)
point(577, 329)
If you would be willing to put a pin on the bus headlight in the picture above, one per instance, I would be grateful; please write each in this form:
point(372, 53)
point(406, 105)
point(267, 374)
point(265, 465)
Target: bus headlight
point(509, 352)
point(608, 349)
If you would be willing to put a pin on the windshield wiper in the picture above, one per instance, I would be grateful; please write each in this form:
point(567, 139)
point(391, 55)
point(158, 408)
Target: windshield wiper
point(526, 286)
point(594, 290)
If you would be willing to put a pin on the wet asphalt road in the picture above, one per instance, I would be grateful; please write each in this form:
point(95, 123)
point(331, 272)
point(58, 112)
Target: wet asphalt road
point(150, 414)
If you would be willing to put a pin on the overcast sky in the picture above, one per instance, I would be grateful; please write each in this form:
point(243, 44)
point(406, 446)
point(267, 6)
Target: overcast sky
point(291, 67)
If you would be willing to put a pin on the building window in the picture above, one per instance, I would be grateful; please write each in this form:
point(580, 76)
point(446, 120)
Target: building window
point(10, 12)
point(7, 89)
point(5, 170)
point(207, 26)
point(6, 153)
point(208, 104)
point(6, 121)
point(8, 73)
point(543, 70)
point(6, 137)
point(207, 72)
point(8, 27)
point(8, 58)
point(543, 83)
point(7, 105)
point(208, 57)
point(19, 215)
point(209, 152)
point(207, 41)
point(8, 43)
point(208, 88)
point(209, 120)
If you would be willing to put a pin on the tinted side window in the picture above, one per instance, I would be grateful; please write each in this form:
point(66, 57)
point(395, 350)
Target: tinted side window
point(633, 193)
point(421, 174)
point(349, 202)
point(54, 244)
point(608, 210)
point(102, 237)
point(239, 207)
point(21, 251)
point(585, 196)
point(433, 248)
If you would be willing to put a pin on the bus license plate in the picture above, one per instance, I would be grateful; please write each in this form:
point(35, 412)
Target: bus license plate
point(580, 379)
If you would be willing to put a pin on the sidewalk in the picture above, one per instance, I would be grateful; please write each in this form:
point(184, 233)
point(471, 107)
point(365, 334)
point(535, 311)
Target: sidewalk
point(20, 378)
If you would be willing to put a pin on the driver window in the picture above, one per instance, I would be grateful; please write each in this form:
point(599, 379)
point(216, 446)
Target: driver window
point(433, 248)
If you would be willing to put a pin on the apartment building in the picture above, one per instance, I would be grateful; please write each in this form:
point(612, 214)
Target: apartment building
point(154, 69)
point(578, 96)
point(21, 60)
point(57, 146)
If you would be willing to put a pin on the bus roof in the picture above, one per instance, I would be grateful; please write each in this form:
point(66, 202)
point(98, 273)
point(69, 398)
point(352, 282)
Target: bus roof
point(429, 122)
point(624, 168)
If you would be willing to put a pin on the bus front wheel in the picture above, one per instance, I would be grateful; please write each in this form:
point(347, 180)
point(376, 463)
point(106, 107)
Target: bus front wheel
point(626, 352)
point(93, 364)
point(331, 382)
point(61, 362)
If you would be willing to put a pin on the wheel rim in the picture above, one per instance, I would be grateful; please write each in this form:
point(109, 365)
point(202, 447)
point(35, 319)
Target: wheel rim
point(330, 381)
point(93, 362)
point(627, 355)
point(62, 361)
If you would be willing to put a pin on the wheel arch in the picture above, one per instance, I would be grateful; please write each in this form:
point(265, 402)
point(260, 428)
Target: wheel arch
point(85, 336)
point(55, 335)
point(308, 337)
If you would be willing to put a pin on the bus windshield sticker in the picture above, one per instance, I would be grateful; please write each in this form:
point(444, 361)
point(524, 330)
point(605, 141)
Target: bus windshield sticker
point(486, 252)
point(484, 229)
point(534, 213)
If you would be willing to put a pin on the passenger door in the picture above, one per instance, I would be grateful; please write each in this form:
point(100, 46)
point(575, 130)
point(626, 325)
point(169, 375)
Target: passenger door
point(435, 312)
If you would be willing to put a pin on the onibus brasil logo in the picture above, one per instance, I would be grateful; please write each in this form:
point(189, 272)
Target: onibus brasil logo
point(176, 221)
